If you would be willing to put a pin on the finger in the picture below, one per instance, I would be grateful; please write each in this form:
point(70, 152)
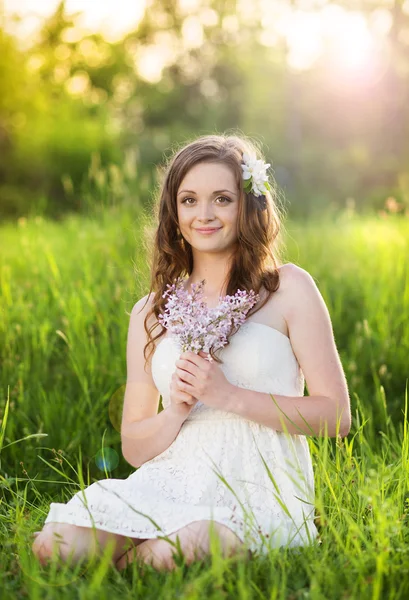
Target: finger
point(195, 359)
point(187, 367)
point(184, 386)
point(192, 400)
point(191, 358)
point(180, 396)
point(185, 376)
point(186, 398)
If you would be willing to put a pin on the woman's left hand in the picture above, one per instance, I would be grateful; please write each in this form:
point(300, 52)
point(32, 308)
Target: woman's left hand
point(202, 379)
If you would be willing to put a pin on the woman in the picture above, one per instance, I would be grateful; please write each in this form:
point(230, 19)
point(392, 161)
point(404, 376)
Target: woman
point(228, 454)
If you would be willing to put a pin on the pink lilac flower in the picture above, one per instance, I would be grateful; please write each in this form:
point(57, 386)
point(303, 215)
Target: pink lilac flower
point(197, 327)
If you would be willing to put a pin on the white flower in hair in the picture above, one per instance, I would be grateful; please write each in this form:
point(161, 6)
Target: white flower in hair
point(254, 174)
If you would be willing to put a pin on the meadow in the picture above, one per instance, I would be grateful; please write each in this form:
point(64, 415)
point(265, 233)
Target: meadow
point(67, 289)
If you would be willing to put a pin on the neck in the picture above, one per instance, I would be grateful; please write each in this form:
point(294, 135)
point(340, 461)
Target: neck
point(214, 270)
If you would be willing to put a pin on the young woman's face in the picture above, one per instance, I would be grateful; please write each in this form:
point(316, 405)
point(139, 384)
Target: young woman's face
point(208, 197)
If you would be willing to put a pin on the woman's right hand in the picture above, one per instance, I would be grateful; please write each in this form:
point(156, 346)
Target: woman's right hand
point(180, 402)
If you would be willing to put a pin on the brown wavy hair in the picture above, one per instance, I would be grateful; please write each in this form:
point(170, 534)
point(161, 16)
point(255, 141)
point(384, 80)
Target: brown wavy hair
point(258, 256)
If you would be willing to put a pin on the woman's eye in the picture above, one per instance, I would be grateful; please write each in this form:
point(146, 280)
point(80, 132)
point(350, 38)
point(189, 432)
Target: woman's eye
point(220, 197)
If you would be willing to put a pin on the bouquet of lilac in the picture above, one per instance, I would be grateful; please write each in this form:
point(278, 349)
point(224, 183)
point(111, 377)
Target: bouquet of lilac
point(197, 327)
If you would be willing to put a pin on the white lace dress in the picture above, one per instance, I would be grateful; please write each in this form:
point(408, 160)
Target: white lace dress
point(217, 467)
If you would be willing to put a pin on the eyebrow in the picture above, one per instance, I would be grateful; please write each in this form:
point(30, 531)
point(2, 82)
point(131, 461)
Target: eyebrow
point(215, 192)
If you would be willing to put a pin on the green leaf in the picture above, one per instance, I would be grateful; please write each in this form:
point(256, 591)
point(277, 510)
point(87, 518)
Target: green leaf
point(248, 185)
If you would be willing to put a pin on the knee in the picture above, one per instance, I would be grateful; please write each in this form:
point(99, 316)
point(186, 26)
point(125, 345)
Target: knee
point(230, 543)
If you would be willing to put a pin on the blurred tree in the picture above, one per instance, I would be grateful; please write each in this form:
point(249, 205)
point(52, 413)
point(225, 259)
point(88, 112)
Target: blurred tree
point(186, 71)
point(50, 127)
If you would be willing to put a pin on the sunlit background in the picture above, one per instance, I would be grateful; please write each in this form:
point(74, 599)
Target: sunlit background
point(114, 19)
point(353, 40)
point(322, 85)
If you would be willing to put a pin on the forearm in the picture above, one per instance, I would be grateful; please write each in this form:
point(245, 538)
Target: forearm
point(301, 415)
point(145, 439)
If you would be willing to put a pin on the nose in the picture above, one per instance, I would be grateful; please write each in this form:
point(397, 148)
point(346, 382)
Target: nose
point(206, 211)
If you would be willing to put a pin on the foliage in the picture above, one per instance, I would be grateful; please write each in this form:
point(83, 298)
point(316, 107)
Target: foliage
point(71, 95)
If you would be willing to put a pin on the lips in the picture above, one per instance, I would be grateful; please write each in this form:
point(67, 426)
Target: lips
point(207, 229)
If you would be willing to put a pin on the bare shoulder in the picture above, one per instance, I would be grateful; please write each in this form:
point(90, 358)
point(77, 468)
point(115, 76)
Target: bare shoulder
point(143, 304)
point(291, 273)
point(141, 308)
point(296, 285)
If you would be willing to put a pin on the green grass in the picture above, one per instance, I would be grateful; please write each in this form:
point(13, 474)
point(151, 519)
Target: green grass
point(66, 291)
